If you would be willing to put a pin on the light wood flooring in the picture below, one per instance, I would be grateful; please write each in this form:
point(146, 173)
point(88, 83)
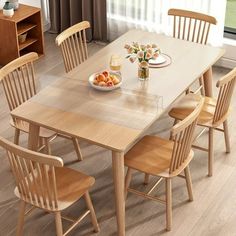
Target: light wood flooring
point(213, 211)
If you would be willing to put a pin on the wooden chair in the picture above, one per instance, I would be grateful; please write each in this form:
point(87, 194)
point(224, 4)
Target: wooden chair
point(194, 27)
point(18, 80)
point(44, 183)
point(164, 158)
point(72, 42)
point(213, 115)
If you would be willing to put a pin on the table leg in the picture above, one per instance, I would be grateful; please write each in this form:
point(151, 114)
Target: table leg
point(207, 76)
point(33, 137)
point(118, 177)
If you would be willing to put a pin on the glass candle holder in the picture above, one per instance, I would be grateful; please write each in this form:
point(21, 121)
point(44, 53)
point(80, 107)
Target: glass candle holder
point(115, 63)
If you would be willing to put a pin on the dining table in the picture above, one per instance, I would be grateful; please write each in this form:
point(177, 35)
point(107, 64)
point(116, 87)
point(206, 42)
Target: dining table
point(117, 119)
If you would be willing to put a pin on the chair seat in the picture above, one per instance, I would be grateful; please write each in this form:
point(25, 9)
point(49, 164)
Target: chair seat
point(24, 126)
point(71, 186)
point(151, 155)
point(188, 103)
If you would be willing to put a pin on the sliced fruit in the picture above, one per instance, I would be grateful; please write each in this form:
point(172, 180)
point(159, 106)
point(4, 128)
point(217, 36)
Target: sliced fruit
point(105, 73)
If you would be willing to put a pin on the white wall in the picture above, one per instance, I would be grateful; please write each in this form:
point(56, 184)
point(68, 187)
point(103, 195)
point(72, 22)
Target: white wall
point(35, 3)
point(2, 4)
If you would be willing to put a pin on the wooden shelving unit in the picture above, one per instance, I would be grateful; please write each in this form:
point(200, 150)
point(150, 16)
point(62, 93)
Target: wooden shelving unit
point(26, 20)
point(24, 27)
point(28, 42)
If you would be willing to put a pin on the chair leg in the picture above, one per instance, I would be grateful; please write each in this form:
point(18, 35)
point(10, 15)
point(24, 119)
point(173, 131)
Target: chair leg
point(58, 223)
point(127, 180)
point(17, 136)
point(92, 212)
point(77, 149)
point(47, 146)
point(146, 179)
point(226, 135)
point(21, 217)
point(189, 183)
point(168, 204)
point(210, 152)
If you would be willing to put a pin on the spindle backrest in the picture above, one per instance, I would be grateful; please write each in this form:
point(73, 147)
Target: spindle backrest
point(18, 80)
point(191, 26)
point(73, 45)
point(226, 87)
point(182, 135)
point(34, 175)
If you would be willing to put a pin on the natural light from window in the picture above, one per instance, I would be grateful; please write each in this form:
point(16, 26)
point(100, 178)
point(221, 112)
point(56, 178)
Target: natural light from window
point(230, 17)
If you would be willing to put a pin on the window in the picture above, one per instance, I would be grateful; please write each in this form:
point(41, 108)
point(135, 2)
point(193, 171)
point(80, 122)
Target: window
point(230, 19)
point(152, 15)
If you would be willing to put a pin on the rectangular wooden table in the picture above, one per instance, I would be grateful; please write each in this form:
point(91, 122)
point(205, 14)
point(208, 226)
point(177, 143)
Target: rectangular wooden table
point(116, 120)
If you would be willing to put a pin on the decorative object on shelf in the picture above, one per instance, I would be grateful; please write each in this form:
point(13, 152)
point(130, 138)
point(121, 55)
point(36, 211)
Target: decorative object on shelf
point(8, 9)
point(15, 4)
point(22, 37)
point(142, 53)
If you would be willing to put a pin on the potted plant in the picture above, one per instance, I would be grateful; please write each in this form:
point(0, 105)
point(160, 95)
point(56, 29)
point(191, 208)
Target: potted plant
point(8, 9)
point(142, 53)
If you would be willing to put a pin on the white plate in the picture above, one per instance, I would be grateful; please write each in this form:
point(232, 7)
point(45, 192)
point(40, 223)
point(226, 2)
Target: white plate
point(159, 60)
point(92, 77)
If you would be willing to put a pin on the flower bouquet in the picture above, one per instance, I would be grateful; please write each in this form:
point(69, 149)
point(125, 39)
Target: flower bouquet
point(142, 53)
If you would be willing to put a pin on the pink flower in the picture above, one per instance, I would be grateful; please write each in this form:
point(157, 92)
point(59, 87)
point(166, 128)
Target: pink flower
point(155, 55)
point(140, 54)
point(148, 56)
point(150, 50)
point(132, 59)
point(130, 50)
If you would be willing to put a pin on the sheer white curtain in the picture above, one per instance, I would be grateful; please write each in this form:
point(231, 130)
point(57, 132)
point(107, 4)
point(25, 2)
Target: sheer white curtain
point(151, 15)
point(45, 14)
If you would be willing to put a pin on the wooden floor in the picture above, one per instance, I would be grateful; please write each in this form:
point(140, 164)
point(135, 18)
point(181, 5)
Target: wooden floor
point(213, 211)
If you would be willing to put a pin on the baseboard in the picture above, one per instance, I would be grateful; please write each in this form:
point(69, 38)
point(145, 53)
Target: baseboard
point(46, 27)
point(226, 62)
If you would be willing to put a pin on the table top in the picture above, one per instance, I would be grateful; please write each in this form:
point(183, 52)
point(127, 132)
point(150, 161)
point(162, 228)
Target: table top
point(189, 61)
point(116, 119)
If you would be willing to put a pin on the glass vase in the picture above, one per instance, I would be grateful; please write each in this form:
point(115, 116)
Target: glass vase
point(143, 70)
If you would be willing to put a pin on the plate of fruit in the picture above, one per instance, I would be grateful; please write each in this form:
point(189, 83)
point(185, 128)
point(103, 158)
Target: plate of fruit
point(105, 80)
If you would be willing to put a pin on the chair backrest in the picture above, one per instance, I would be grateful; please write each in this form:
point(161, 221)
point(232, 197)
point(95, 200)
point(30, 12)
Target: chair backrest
point(72, 42)
point(34, 175)
point(191, 26)
point(226, 87)
point(18, 79)
point(182, 135)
